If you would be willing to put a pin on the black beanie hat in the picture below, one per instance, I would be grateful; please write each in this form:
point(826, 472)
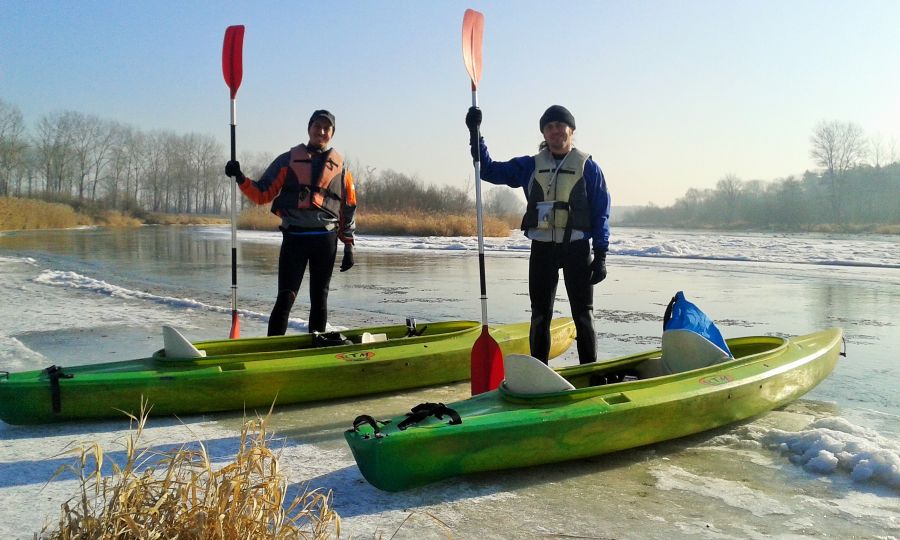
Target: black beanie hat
point(557, 113)
point(321, 113)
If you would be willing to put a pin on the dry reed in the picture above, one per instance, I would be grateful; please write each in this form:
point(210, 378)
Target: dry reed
point(183, 219)
point(179, 494)
point(260, 218)
point(25, 214)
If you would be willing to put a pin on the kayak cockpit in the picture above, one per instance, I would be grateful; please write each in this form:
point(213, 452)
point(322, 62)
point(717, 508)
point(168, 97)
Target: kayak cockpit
point(178, 348)
point(527, 378)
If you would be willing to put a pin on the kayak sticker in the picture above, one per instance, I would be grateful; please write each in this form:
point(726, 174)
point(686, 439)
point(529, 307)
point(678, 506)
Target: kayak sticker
point(715, 380)
point(355, 356)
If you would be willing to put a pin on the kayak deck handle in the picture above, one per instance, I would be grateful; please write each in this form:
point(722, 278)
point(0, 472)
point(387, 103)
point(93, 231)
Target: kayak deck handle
point(366, 419)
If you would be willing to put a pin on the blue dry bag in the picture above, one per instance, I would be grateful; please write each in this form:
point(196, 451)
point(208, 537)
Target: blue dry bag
point(683, 315)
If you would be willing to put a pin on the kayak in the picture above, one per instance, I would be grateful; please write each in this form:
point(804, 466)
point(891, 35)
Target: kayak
point(232, 374)
point(539, 415)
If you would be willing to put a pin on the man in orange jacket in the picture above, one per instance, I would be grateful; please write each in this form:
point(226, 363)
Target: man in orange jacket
point(313, 194)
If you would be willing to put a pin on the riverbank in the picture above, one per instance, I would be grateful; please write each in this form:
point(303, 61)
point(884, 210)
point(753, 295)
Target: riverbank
point(18, 214)
point(259, 218)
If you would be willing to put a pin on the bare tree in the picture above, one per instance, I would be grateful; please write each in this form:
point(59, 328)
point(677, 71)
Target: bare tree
point(12, 145)
point(502, 201)
point(837, 147)
point(91, 141)
point(105, 140)
point(728, 189)
point(53, 144)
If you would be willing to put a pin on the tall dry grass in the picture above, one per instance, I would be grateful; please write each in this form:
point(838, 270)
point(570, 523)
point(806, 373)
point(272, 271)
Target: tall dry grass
point(258, 218)
point(261, 219)
point(26, 214)
point(429, 225)
point(180, 494)
point(183, 219)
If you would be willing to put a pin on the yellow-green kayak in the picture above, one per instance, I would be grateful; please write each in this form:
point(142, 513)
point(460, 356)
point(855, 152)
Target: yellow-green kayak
point(541, 416)
point(257, 372)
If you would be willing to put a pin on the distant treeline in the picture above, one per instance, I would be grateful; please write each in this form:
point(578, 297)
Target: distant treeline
point(854, 191)
point(390, 191)
point(88, 162)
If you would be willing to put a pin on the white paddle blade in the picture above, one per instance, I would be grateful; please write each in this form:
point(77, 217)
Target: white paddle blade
point(177, 346)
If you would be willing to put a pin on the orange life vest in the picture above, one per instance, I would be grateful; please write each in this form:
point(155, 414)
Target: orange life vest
point(301, 191)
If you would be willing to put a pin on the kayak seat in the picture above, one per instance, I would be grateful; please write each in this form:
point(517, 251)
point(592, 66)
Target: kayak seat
point(524, 374)
point(177, 346)
point(684, 350)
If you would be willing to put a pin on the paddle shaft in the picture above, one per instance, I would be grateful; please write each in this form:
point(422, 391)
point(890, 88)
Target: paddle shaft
point(480, 219)
point(234, 311)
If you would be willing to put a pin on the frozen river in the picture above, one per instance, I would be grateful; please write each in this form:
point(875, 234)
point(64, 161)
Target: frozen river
point(829, 462)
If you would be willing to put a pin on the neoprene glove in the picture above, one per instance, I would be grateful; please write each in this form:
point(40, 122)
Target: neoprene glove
point(598, 268)
point(473, 122)
point(347, 261)
point(473, 119)
point(233, 169)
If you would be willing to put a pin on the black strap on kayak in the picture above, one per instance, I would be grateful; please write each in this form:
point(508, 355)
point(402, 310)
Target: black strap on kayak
point(668, 315)
point(366, 419)
point(411, 330)
point(844, 343)
point(330, 339)
point(55, 373)
point(424, 410)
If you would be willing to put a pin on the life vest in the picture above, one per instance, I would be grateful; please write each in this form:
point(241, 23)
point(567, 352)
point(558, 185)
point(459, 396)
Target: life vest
point(303, 192)
point(558, 199)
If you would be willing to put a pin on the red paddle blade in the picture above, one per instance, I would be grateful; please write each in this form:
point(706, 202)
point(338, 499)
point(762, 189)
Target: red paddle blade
point(232, 57)
point(235, 326)
point(472, 34)
point(487, 363)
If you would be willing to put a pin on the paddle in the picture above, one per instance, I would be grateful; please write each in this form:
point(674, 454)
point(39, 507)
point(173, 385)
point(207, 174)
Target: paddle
point(487, 358)
point(233, 70)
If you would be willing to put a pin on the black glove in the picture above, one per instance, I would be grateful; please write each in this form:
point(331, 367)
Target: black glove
point(347, 261)
point(473, 119)
point(473, 122)
point(233, 169)
point(598, 268)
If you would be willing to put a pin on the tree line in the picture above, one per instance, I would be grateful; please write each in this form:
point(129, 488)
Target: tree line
point(85, 160)
point(73, 157)
point(858, 185)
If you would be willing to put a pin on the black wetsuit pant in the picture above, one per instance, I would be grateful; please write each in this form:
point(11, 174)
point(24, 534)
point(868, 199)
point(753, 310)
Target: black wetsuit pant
point(299, 250)
point(543, 276)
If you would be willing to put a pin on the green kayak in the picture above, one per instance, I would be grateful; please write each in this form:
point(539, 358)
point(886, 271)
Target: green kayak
point(539, 415)
point(188, 378)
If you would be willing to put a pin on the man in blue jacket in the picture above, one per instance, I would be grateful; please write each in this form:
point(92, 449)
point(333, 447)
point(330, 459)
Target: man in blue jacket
point(567, 211)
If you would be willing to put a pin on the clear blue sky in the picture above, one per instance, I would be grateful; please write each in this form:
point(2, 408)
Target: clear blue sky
point(667, 95)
